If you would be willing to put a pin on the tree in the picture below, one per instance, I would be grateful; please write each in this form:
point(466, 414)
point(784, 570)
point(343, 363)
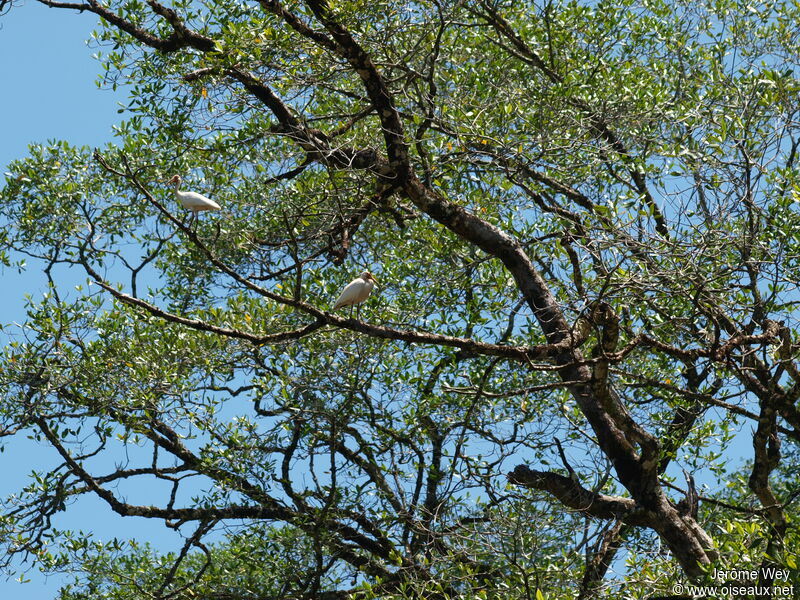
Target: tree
point(584, 217)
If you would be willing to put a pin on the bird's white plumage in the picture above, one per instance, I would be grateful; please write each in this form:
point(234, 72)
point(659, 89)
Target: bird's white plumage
point(192, 200)
point(356, 291)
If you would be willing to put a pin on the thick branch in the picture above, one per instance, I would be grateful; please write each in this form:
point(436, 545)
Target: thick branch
point(377, 90)
point(181, 37)
point(573, 495)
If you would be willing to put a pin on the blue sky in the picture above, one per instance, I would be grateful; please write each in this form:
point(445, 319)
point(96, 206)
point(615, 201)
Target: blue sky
point(49, 78)
point(49, 92)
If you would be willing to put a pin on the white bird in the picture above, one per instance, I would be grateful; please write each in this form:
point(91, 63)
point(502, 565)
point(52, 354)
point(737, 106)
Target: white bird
point(192, 200)
point(356, 291)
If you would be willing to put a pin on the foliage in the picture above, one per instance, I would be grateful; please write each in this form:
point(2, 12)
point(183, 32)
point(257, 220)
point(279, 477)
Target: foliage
point(584, 220)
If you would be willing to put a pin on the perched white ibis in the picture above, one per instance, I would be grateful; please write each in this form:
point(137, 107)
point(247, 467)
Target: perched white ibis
point(192, 200)
point(356, 291)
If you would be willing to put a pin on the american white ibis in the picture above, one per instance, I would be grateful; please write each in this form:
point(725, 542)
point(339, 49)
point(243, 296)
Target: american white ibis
point(192, 200)
point(356, 291)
